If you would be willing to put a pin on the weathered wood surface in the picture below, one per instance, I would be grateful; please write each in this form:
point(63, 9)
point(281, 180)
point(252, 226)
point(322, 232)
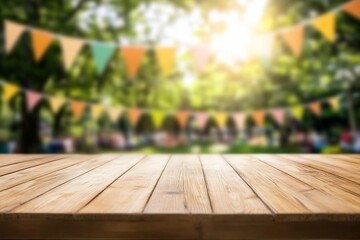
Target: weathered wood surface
point(136, 196)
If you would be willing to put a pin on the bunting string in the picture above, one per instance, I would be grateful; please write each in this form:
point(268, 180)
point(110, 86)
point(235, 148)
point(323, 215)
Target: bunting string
point(102, 52)
point(114, 113)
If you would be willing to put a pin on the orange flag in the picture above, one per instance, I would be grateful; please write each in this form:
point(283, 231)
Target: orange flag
point(294, 39)
point(56, 103)
point(77, 109)
point(315, 107)
point(13, 31)
point(165, 57)
point(114, 113)
point(259, 118)
point(134, 115)
point(221, 119)
point(70, 48)
point(132, 57)
point(182, 118)
point(353, 8)
point(41, 40)
point(325, 24)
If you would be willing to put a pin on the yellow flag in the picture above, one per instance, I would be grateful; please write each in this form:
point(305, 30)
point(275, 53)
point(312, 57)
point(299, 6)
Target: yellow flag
point(294, 39)
point(335, 103)
point(97, 110)
point(70, 48)
point(13, 31)
point(259, 118)
point(221, 119)
point(56, 103)
point(298, 112)
point(114, 113)
point(9, 91)
point(41, 40)
point(158, 117)
point(325, 24)
point(165, 57)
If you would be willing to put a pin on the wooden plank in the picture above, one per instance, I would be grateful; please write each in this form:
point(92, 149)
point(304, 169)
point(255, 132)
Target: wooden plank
point(7, 159)
point(227, 190)
point(27, 164)
point(181, 188)
point(354, 158)
point(75, 194)
point(285, 194)
point(338, 163)
point(324, 166)
point(132, 190)
point(19, 177)
point(27, 191)
point(339, 191)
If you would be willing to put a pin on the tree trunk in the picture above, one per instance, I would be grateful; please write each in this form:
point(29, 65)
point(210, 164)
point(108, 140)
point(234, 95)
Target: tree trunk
point(30, 141)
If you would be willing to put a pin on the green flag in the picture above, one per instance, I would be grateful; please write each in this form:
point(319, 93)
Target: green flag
point(102, 53)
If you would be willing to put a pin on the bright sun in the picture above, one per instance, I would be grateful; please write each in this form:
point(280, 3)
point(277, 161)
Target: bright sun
point(234, 43)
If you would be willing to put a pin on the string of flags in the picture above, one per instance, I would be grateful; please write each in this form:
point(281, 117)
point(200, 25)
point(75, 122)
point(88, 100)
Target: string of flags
point(114, 113)
point(132, 55)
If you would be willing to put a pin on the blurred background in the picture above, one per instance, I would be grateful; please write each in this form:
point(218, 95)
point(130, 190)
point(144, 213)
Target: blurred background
point(184, 76)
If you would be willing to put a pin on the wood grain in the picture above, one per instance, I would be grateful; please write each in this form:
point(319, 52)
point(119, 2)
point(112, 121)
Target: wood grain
point(181, 188)
point(133, 196)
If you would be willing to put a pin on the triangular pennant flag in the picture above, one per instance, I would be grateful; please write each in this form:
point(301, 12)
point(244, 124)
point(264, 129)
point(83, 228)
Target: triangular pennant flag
point(182, 118)
point(335, 103)
point(259, 118)
point(239, 119)
point(201, 54)
point(297, 112)
point(56, 103)
point(102, 53)
point(201, 119)
point(294, 39)
point(158, 117)
point(13, 31)
point(32, 99)
point(221, 119)
point(96, 110)
point(70, 48)
point(132, 57)
point(77, 109)
point(41, 40)
point(325, 24)
point(134, 115)
point(279, 115)
point(263, 49)
point(353, 8)
point(9, 91)
point(165, 57)
point(114, 113)
point(315, 107)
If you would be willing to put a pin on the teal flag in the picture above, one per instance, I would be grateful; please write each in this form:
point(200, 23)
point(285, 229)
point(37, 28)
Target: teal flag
point(102, 53)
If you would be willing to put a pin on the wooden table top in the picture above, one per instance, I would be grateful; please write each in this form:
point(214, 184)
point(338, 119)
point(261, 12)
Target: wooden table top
point(284, 188)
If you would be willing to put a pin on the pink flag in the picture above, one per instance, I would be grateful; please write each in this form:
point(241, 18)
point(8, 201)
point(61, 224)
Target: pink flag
point(201, 119)
point(201, 54)
point(239, 119)
point(32, 99)
point(279, 115)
